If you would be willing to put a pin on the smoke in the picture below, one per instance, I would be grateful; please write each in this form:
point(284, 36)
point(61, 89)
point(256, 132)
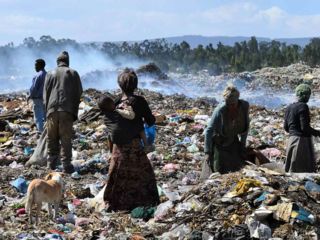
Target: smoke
point(17, 72)
point(100, 72)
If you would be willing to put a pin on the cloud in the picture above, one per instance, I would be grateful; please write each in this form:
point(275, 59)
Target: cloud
point(100, 20)
point(273, 15)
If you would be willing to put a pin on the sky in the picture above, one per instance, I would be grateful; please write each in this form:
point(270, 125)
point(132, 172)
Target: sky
point(120, 20)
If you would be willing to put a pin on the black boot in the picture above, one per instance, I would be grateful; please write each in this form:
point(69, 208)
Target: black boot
point(68, 168)
point(52, 162)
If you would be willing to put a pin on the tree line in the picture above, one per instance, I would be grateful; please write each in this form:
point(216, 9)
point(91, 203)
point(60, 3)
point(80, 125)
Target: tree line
point(243, 56)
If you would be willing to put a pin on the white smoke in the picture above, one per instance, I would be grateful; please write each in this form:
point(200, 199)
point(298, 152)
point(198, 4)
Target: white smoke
point(17, 70)
point(100, 72)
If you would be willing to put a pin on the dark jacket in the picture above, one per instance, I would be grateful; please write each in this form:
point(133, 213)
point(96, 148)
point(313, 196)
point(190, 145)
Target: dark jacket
point(142, 112)
point(62, 90)
point(130, 128)
point(297, 120)
point(36, 89)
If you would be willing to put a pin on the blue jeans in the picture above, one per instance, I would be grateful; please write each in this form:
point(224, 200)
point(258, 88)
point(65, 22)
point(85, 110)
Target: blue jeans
point(38, 113)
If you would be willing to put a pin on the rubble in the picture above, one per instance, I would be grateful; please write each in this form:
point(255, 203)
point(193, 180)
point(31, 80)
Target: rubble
point(256, 202)
point(287, 77)
point(153, 70)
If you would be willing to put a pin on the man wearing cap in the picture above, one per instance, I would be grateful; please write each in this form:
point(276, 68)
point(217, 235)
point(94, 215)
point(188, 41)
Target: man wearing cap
point(226, 135)
point(36, 94)
point(300, 154)
point(62, 92)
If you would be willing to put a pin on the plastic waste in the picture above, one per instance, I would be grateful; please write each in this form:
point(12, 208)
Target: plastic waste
point(174, 119)
point(24, 130)
point(274, 167)
point(180, 231)
point(82, 221)
point(201, 119)
point(75, 175)
point(193, 148)
point(53, 236)
point(20, 184)
point(261, 213)
point(282, 211)
point(71, 207)
point(150, 132)
point(63, 228)
point(172, 196)
point(162, 210)
point(25, 236)
point(40, 153)
point(21, 211)
point(95, 188)
point(70, 218)
point(271, 152)
point(97, 202)
point(186, 140)
point(302, 214)
point(191, 178)
point(312, 186)
point(242, 187)
point(171, 167)
point(143, 212)
point(258, 229)
point(14, 164)
point(27, 151)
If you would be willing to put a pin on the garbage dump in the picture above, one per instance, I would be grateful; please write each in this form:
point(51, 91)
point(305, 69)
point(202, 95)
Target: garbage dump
point(153, 70)
point(259, 202)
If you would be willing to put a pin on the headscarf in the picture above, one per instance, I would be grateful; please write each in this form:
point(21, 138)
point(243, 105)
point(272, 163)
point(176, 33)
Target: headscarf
point(231, 94)
point(303, 92)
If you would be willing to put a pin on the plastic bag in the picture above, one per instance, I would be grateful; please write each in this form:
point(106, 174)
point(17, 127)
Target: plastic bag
point(40, 154)
point(162, 210)
point(20, 184)
point(150, 132)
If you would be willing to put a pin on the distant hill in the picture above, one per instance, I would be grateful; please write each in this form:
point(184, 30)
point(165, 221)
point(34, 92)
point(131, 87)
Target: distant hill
point(195, 40)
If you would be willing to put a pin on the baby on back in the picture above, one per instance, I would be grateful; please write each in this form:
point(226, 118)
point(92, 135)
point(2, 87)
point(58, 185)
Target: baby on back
point(118, 121)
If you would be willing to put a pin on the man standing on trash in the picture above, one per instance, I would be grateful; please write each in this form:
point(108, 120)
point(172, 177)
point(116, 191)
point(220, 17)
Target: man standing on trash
point(36, 94)
point(300, 154)
point(62, 92)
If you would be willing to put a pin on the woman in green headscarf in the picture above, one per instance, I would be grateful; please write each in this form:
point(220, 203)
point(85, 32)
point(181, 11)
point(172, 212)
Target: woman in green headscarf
point(300, 154)
point(226, 134)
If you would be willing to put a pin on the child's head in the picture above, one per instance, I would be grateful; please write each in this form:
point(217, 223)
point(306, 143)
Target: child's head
point(106, 104)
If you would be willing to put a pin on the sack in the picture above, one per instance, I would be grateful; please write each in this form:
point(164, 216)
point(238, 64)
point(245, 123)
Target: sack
point(40, 154)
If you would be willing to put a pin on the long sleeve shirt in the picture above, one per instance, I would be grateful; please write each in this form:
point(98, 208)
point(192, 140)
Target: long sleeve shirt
point(297, 120)
point(215, 130)
point(122, 130)
point(142, 112)
point(62, 90)
point(36, 89)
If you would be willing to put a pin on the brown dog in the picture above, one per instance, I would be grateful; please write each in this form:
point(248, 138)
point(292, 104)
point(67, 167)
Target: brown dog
point(49, 190)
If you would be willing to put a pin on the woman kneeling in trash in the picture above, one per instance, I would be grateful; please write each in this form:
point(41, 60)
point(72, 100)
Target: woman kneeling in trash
point(224, 150)
point(300, 154)
point(131, 180)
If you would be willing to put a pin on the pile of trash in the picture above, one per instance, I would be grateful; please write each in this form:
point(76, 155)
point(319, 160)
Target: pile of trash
point(153, 70)
point(257, 202)
point(287, 77)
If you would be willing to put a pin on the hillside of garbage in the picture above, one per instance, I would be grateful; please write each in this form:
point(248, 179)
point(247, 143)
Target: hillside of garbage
point(258, 202)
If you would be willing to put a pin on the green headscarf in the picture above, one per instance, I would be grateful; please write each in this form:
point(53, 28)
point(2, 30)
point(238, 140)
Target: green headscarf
point(303, 92)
